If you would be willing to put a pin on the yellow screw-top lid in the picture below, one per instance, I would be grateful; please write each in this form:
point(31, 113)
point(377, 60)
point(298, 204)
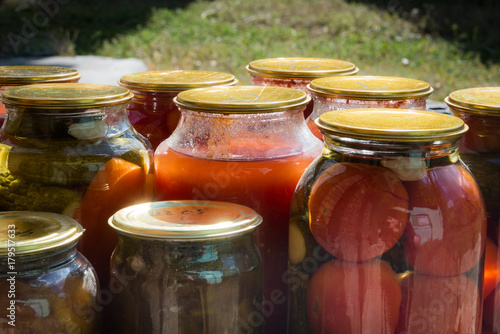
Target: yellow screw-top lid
point(175, 81)
point(370, 87)
point(185, 220)
point(242, 99)
point(480, 100)
point(64, 96)
point(23, 74)
point(300, 68)
point(386, 124)
point(29, 232)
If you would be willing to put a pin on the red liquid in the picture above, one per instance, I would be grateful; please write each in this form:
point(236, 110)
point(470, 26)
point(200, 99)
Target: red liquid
point(266, 186)
point(314, 129)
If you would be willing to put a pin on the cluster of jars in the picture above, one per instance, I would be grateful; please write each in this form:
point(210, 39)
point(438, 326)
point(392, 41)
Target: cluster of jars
point(314, 201)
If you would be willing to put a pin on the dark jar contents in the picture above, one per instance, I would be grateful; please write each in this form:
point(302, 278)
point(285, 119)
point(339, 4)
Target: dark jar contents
point(295, 72)
point(186, 267)
point(70, 149)
point(17, 75)
point(46, 285)
point(479, 108)
point(152, 111)
point(335, 93)
point(387, 228)
point(247, 145)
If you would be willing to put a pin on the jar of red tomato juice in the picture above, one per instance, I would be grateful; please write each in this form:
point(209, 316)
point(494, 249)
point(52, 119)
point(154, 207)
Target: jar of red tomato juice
point(18, 75)
point(387, 228)
point(247, 145)
point(152, 111)
point(479, 108)
point(336, 93)
point(295, 72)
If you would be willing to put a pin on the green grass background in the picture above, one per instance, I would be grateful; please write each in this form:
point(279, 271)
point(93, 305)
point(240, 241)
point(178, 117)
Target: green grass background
point(450, 44)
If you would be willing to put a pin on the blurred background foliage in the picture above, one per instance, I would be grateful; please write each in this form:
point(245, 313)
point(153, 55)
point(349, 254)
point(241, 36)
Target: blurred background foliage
point(450, 44)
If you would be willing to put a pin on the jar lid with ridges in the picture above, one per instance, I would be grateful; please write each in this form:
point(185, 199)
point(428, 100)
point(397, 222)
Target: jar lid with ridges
point(64, 96)
point(185, 220)
point(32, 74)
point(479, 100)
point(30, 232)
point(242, 99)
point(390, 124)
point(370, 87)
point(175, 81)
point(300, 68)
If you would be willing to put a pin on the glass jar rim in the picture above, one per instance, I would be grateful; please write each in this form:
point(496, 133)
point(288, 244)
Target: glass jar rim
point(175, 80)
point(36, 232)
point(242, 99)
point(300, 67)
point(370, 87)
point(391, 124)
point(185, 220)
point(31, 74)
point(478, 100)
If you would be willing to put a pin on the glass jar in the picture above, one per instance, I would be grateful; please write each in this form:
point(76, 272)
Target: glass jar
point(70, 149)
point(387, 228)
point(11, 76)
point(47, 285)
point(152, 111)
point(337, 93)
point(247, 145)
point(186, 267)
point(479, 108)
point(294, 72)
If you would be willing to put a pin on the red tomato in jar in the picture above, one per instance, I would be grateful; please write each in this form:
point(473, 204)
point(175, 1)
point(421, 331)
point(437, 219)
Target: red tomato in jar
point(346, 297)
point(491, 274)
point(357, 211)
point(446, 233)
point(439, 305)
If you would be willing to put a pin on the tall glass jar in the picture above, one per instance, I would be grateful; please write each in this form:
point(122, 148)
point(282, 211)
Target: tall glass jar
point(47, 285)
point(479, 108)
point(295, 72)
point(70, 149)
point(247, 145)
point(11, 76)
point(186, 267)
point(152, 111)
point(337, 93)
point(387, 228)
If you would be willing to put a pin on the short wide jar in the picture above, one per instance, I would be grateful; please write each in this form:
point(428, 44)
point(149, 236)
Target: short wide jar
point(186, 267)
point(47, 285)
point(387, 228)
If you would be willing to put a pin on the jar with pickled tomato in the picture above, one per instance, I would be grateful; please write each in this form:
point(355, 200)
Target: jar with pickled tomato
point(247, 145)
point(195, 261)
point(365, 92)
point(152, 111)
point(47, 285)
point(387, 228)
point(17, 75)
point(70, 149)
point(479, 108)
point(296, 72)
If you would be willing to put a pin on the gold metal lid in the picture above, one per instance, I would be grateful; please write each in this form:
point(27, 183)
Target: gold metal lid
point(386, 124)
point(36, 232)
point(64, 96)
point(185, 220)
point(175, 81)
point(32, 74)
point(242, 99)
point(370, 87)
point(300, 68)
point(481, 100)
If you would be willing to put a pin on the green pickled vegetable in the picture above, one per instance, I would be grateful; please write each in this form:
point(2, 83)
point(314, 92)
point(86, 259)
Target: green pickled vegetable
point(19, 195)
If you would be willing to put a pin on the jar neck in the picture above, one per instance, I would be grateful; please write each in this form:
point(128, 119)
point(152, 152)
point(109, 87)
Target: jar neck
point(242, 136)
point(27, 263)
point(82, 124)
point(153, 101)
